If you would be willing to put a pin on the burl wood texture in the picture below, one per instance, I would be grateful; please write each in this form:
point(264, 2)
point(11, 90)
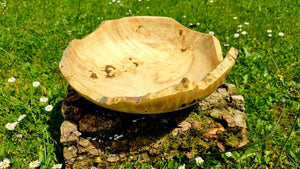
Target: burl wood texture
point(145, 65)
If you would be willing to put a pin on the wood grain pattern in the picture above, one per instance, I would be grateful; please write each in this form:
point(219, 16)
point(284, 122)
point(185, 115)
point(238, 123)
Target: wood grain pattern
point(145, 65)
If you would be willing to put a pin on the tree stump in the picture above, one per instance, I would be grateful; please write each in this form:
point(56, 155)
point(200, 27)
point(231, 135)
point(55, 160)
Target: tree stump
point(95, 136)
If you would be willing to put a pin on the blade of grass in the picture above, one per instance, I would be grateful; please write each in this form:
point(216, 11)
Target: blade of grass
point(289, 135)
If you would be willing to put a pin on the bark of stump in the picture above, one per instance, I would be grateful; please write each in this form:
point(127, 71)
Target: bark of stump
point(95, 136)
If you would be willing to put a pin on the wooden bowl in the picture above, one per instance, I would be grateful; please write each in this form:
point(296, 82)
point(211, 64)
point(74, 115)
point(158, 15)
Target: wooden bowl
point(145, 65)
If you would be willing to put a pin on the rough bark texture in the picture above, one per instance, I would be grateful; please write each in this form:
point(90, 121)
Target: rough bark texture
point(94, 136)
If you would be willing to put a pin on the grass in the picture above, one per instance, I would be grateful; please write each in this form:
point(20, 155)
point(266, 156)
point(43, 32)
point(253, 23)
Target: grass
point(34, 34)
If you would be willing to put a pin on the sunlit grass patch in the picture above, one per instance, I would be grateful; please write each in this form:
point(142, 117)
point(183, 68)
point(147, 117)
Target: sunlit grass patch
point(34, 34)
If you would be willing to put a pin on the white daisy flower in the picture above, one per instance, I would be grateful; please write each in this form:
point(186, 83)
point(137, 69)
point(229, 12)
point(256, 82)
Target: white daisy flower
point(211, 32)
point(43, 99)
point(246, 23)
point(236, 35)
point(240, 26)
point(281, 34)
point(235, 18)
point(49, 108)
point(181, 167)
point(228, 154)
point(9, 126)
point(198, 23)
point(184, 16)
point(15, 123)
point(56, 166)
point(118, 2)
point(244, 33)
point(5, 163)
point(36, 84)
point(269, 31)
point(22, 117)
point(109, 3)
point(226, 45)
point(34, 164)
point(199, 160)
point(147, 7)
point(12, 79)
point(270, 35)
point(211, 1)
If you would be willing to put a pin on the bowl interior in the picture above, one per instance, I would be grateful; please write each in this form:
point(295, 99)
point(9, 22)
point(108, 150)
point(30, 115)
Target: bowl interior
point(134, 56)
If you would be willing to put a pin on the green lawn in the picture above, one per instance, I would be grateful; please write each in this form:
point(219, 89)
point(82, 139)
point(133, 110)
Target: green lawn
point(34, 34)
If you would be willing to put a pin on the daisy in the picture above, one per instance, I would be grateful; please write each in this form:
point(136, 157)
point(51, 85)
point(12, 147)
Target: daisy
point(181, 167)
point(235, 18)
point(246, 23)
point(228, 154)
point(198, 23)
point(236, 35)
point(226, 45)
point(34, 164)
point(199, 160)
point(5, 163)
point(36, 84)
point(244, 33)
point(11, 80)
point(56, 166)
point(281, 34)
point(211, 1)
point(270, 35)
point(269, 31)
point(211, 32)
point(9, 126)
point(240, 26)
point(22, 117)
point(15, 124)
point(49, 108)
point(43, 99)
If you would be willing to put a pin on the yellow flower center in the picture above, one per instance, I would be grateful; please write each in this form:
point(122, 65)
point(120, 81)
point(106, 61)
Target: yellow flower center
point(57, 166)
point(34, 163)
point(4, 164)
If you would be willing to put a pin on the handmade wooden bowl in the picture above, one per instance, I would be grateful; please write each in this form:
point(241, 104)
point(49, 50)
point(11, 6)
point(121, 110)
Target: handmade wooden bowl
point(145, 65)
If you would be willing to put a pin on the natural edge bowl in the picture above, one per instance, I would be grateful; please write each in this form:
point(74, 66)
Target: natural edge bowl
point(145, 65)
